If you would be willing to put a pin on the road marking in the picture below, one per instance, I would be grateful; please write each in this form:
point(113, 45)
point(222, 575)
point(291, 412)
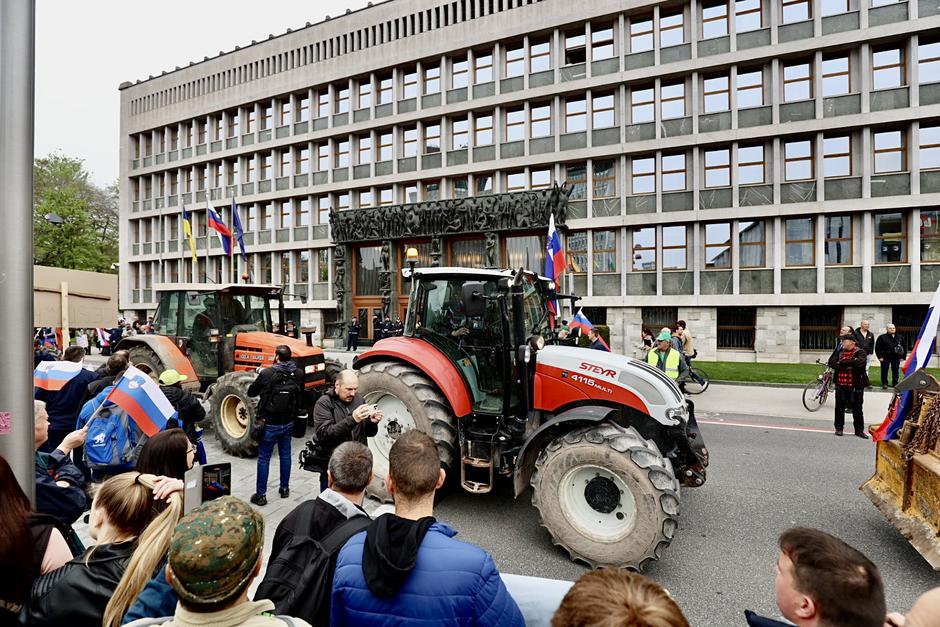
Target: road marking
point(763, 426)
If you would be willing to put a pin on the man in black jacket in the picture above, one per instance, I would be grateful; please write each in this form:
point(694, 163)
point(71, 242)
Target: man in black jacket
point(850, 381)
point(352, 337)
point(59, 482)
point(189, 409)
point(340, 416)
point(280, 388)
point(865, 340)
point(890, 350)
point(64, 405)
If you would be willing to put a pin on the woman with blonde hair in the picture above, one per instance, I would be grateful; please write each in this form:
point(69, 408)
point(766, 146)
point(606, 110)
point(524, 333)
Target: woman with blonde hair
point(132, 539)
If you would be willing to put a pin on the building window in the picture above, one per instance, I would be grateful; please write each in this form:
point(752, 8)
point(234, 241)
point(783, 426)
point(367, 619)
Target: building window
point(342, 202)
point(890, 238)
point(460, 187)
point(365, 149)
point(797, 82)
point(928, 62)
point(908, 320)
point(576, 177)
point(718, 168)
point(432, 80)
point(605, 180)
point(602, 42)
point(800, 242)
point(284, 214)
point(641, 34)
point(431, 190)
point(231, 126)
point(751, 244)
point(602, 111)
point(797, 10)
point(576, 250)
point(747, 16)
point(540, 56)
point(540, 179)
point(432, 138)
point(671, 29)
point(201, 129)
point(644, 251)
point(575, 51)
point(642, 105)
point(386, 90)
point(267, 167)
point(459, 73)
point(364, 95)
point(674, 172)
point(342, 100)
point(838, 240)
point(836, 76)
point(751, 168)
point(409, 84)
point(515, 124)
point(605, 252)
point(284, 163)
point(284, 112)
point(303, 108)
point(750, 89)
point(675, 248)
point(818, 327)
point(302, 215)
point(655, 318)
point(323, 210)
point(837, 156)
point(930, 235)
point(718, 246)
point(716, 94)
point(323, 103)
point(265, 217)
point(524, 250)
point(714, 21)
point(482, 184)
point(386, 196)
point(834, 7)
point(575, 115)
point(515, 181)
point(410, 193)
point(798, 160)
point(643, 175)
point(672, 101)
point(460, 134)
point(341, 156)
point(888, 68)
point(735, 326)
point(323, 265)
point(386, 146)
point(541, 125)
point(929, 147)
point(890, 152)
point(515, 61)
point(483, 68)
point(483, 130)
point(409, 142)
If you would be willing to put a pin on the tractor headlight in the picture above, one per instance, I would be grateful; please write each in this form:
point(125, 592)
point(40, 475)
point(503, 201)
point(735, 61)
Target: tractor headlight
point(680, 414)
point(537, 342)
point(312, 368)
point(527, 354)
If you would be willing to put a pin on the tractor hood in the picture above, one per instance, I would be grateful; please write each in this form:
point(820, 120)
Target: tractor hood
point(567, 375)
point(267, 342)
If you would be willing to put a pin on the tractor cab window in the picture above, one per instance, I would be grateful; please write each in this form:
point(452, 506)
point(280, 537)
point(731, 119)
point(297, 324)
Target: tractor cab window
point(200, 315)
point(535, 308)
point(243, 313)
point(167, 313)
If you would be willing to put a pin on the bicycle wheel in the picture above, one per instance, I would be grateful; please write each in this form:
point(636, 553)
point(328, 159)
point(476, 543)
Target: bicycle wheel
point(697, 381)
point(814, 395)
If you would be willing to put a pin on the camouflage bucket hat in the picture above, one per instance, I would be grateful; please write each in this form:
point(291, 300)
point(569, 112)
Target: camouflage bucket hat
point(214, 551)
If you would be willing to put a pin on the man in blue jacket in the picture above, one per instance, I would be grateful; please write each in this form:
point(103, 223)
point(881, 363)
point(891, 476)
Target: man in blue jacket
point(407, 568)
point(63, 405)
point(59, 482)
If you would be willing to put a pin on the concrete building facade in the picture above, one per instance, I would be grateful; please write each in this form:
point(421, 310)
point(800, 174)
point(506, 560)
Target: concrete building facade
point(763, 169)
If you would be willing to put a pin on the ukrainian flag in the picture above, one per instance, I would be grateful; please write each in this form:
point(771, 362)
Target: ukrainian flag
point(188, 231)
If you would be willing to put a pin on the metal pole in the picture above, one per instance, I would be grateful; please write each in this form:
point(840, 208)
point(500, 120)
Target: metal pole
point(17, 49)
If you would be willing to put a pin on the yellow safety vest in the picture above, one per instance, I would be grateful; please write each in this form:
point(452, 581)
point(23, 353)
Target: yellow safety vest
point(672, 362)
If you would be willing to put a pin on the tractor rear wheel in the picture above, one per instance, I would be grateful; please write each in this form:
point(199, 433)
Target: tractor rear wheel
point(332, 368)
point(607, 496)
point(410, 400)
point(234, 413)
point(146, 360)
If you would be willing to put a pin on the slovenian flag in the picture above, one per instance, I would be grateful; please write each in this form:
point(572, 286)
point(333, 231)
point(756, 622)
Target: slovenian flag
point(580, 321)
point(238, 231)
point(143, 400)
point(554, 263)
point(103, 336)
point(214, 221)
point(53, 375)
point(920, 355)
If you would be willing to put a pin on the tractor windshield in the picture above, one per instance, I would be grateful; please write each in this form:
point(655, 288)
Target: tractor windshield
point(535, 308)
point(247, 312)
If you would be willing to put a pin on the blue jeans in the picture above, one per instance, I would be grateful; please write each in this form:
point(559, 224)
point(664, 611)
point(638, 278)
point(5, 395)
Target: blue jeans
point(282, 435)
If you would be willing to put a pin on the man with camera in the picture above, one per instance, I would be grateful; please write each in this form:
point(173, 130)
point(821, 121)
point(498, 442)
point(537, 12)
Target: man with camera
point(341, 415)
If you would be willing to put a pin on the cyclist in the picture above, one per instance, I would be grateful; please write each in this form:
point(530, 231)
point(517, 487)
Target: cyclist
point(688, 352)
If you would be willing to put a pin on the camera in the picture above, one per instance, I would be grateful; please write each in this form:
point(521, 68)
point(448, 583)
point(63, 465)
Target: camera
point(314, 458)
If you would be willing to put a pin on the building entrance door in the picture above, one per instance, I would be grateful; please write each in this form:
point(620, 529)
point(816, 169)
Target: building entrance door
point(367, 299)
point(368, 310)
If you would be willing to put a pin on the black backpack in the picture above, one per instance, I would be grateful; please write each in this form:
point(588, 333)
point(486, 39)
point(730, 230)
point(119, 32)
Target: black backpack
point(282, 394)
point(300, 579)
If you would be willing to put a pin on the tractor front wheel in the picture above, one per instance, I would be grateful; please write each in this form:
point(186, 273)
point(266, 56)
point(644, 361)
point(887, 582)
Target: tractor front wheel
point(607, 496)
point(234, 413)
point(146, 360)
point(409, 400)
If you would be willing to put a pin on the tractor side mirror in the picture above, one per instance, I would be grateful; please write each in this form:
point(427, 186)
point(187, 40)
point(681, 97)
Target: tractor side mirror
point(471, 294)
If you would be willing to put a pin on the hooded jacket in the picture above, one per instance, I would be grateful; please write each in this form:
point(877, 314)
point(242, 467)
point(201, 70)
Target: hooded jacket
point(190, 410)
point(405, 572)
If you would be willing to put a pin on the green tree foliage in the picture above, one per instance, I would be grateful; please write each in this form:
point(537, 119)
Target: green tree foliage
point(88, 238)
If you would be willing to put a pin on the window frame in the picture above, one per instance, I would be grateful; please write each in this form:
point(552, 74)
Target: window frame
point(483, 68)
point(636, 34)
point(808, 4)
point(847, 72)
point(576, 115)
point(634, 247)
point(750, 164)
point(479, 129)
point(747, 11)
point(741, 89)
point(828, 157)
point(428, 80)
point(651, 174)
point(428, 135)
point(666, 30)
point(904, 239)
point(811, 158)
point(807, 79)
point(729, 243)
point(684, 247)
point(726, 166)
point(921, 147)
point(811, 241)
point(536, 56)
point(828, 239)
point(572, 252)
point(762, 242)
point(599, 44)
point(900, 148)
point(900, 66)
point(513, 57)
point(684, 171)
point(603, 110)
point(642, 104)
point(595, 251)
point(923, 61)
point(725, 17)
point(713, 92)
point(663, 99)
point(534, 120)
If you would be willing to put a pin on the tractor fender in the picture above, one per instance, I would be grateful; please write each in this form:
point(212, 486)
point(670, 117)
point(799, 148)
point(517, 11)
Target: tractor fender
point(168, 352)
point(567, 420)
point(430, 361)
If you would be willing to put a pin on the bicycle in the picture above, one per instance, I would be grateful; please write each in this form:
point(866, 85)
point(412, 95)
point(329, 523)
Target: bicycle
point(693, 386)
point(817, 391)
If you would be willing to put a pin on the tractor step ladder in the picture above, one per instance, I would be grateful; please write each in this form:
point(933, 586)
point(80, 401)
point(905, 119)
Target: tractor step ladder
point(474, 465)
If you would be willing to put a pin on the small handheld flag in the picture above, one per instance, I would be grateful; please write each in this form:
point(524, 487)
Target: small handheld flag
point(53, 375)
point(237, 229)
point(214, 222)
point(103, 336)
point(580, 321)
point(143, 400)
point(188, 232)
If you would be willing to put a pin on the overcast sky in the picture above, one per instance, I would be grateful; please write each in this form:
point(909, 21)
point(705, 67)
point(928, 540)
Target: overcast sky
point(86, 48)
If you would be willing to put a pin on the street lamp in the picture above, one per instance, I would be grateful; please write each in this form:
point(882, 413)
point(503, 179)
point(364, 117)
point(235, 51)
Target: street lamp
point(411, 256)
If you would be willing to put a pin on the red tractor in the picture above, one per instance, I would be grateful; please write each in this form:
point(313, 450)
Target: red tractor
point(218, 335)
point(604, 440)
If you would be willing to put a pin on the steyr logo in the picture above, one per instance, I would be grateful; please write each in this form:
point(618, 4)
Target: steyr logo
point(604, 372)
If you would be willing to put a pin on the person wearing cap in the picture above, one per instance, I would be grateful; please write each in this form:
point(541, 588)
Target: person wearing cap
point(215, 555)
point(190, 410)
point(668, 359)
point(851, 381)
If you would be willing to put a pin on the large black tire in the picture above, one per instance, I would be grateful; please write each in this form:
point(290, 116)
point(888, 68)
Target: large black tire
point(143, 357)
point(389, 382)
point(233, 413)
point(332, 368)
point(627, 511)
